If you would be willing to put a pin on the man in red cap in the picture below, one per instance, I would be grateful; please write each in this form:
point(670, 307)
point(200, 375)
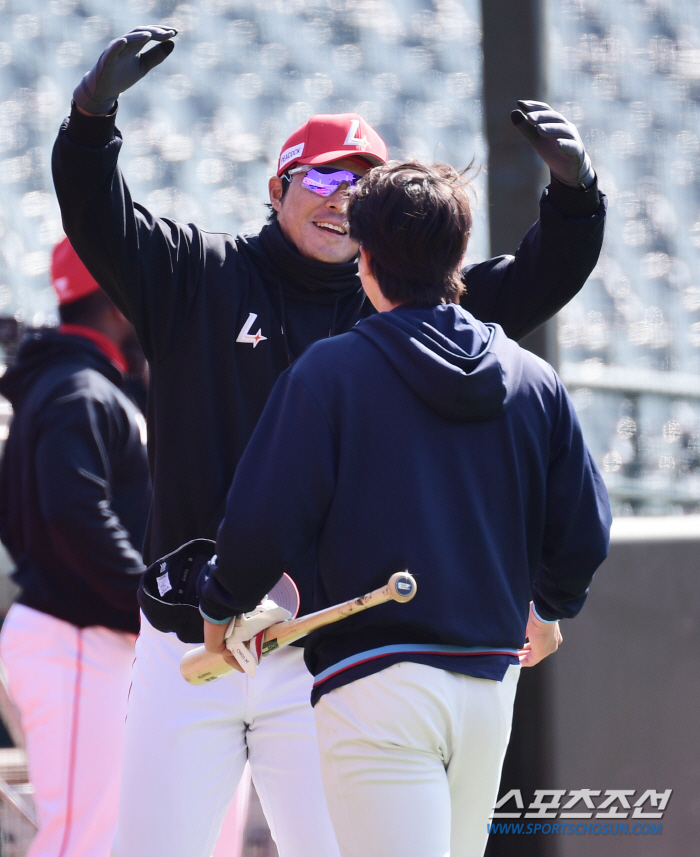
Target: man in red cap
point(74, 498)
point(220, 318)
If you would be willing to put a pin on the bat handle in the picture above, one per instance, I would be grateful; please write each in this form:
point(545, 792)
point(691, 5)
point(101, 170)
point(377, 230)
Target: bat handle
point(198, 666)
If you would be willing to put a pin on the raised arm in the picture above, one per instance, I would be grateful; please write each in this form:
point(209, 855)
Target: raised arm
point(131, 253)
point(560, 250)
point(122, 64)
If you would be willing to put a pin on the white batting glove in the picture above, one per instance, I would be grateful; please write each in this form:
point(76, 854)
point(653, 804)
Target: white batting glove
point(556, 140)
point(244, 635)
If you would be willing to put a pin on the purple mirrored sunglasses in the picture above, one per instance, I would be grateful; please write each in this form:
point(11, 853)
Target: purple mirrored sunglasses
point(324, 181)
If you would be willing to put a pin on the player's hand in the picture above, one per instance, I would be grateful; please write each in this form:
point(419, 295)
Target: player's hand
point(249, 624)
point(214, 641)
point(544, 638)
point(121, 65)
point(244, 636)
point(556, 140)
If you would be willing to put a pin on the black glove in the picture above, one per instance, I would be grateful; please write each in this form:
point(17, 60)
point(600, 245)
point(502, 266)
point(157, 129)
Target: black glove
point(121, 66)
point(556, 141)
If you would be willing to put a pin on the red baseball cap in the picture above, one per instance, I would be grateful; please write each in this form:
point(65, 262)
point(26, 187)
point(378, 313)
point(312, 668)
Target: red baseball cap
point(70, 278)
point(330, 136)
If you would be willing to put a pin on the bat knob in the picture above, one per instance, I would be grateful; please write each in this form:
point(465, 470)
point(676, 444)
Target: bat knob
point(402, 586)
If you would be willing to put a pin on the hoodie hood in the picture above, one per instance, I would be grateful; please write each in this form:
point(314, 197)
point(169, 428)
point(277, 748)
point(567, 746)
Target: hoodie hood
point(42, 349)
point(462, 369)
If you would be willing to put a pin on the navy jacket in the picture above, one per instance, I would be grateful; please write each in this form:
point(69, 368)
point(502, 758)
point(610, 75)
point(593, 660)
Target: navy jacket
point(428, 441)
point(74, 483)
point(199, 299)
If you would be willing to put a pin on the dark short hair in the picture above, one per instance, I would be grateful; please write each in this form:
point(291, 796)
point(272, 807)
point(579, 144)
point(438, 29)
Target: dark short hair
point(86, 311)
point(414, 220)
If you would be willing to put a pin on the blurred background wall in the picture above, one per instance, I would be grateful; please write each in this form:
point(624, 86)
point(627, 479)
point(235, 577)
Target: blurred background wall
point(438, 78)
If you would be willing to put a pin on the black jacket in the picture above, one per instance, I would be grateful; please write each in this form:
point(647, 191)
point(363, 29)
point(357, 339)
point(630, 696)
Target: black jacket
point(74, 483)
point(219, 318)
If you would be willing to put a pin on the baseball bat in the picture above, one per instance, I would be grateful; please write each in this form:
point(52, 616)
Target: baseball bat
point(198, 666)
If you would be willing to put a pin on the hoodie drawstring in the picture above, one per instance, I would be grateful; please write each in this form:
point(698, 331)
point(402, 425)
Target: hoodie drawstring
point(335, 316)
point(283, 325)
point(283, 318)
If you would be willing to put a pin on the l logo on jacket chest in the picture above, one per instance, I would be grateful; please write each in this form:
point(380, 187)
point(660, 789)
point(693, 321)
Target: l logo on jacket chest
point(246, 336)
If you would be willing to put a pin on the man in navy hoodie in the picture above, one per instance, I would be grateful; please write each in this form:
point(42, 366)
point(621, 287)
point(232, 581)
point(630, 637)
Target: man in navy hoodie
point(425, 440)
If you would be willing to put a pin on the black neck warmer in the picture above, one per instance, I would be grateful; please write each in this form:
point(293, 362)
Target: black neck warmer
point(325, 280)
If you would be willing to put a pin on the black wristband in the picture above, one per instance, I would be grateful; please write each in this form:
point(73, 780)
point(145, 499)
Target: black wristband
point(572, 201)
point(88, 130)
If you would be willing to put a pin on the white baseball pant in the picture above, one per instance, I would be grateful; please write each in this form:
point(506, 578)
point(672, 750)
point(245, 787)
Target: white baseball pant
point(186, 747)
point(231, 836)
point(70, 686)
point(411, 760)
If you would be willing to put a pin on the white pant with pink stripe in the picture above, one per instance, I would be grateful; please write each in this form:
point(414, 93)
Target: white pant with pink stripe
point(187, 746)
point(71, 687)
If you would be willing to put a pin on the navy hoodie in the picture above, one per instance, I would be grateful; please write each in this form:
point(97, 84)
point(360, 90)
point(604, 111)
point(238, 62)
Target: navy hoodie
point(74, 484)
point(421, 440)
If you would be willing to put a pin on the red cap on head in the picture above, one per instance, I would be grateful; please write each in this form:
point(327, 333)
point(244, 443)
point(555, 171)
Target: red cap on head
point(329, 137)
point(70, 278)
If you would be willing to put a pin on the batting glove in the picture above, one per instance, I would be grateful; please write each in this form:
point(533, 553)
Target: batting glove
point(244, 635)
point(556, 140)
point(121, 66)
